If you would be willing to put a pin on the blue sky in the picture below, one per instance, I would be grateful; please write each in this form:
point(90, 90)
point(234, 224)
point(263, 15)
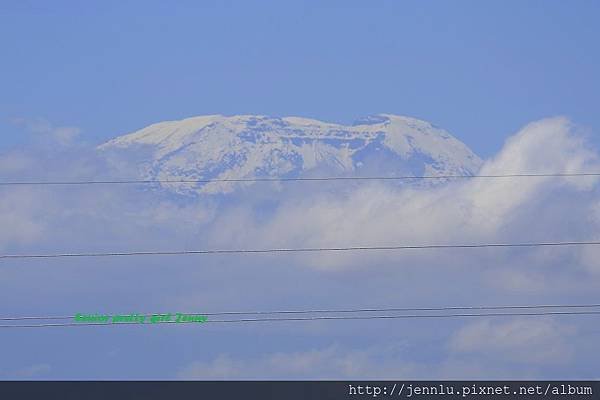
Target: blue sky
point(480, 70)
point(494, 74)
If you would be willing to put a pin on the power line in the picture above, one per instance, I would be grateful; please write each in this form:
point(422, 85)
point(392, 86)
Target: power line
point(341, 311)
point(301, 250)
point(372, 317)
point(329, 178)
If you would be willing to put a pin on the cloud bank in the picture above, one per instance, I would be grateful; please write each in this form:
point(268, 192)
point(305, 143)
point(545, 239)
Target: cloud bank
point(479, 210)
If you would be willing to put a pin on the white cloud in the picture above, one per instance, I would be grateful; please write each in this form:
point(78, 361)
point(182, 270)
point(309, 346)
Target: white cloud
point(15, 162)
point(21, 217)
point(533, 341)
point(30, 372)
point(63, 135)
point(333, 362)
point(336, 362)
point(473, 211)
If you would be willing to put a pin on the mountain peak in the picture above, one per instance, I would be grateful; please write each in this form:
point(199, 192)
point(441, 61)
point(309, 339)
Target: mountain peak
point(249, 146)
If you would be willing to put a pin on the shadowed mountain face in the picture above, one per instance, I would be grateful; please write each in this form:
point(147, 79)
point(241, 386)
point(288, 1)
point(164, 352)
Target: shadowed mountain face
point(248, 146)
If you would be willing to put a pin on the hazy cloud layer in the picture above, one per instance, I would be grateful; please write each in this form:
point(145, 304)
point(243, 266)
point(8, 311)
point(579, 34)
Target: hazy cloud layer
point(121, 218)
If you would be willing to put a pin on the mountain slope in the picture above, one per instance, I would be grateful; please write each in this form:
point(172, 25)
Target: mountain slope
point(248, 146)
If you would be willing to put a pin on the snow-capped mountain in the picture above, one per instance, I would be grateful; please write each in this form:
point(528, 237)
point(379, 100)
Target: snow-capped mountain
point(252, 146)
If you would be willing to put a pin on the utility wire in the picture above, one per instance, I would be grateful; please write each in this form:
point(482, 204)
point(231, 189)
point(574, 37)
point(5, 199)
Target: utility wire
point(342, 311)
point(300, 250)
point(330, 178)
point(372, 317)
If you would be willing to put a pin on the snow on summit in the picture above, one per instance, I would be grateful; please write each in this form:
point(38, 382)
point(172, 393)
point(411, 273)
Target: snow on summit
point(254, 146)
